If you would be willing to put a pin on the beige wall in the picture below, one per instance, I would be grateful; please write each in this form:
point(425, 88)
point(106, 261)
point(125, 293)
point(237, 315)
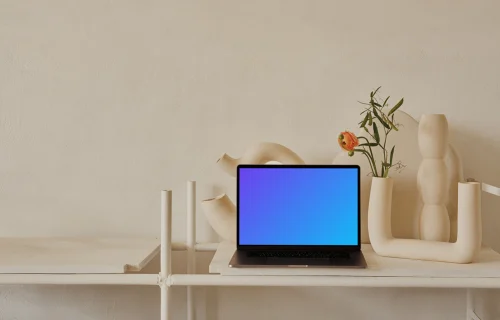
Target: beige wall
point(104, 103)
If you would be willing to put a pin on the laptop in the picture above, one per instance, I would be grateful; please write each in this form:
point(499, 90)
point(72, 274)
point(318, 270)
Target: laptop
point(298, 216)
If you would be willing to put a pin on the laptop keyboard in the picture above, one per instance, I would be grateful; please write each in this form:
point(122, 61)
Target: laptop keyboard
point(299, 254)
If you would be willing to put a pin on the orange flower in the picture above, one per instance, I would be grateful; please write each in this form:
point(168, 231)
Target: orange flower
point(348, 141)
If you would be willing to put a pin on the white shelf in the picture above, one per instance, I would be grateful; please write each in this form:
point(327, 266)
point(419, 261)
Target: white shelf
point(381, 271)
point(109, 261)
point(76, 255)
point(333, 281)
point(80, 279)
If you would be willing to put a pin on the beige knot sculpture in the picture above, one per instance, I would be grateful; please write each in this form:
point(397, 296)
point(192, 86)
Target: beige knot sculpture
point(260, 153)
point(221, 211)
point(221, 215)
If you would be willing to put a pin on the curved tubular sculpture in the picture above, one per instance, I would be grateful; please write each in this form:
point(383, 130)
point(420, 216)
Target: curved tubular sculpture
point(221, 214)
point(221, 211)
point(469, 233)
point(260, 153)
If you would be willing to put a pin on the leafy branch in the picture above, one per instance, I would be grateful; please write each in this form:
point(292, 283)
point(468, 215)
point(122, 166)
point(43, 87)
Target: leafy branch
point(375, 111)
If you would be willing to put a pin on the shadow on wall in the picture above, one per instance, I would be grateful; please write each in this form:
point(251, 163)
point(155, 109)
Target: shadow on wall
point(480, 157)
point(486, 303)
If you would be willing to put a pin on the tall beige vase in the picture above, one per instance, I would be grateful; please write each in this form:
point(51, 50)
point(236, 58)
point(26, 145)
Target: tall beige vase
point(432, 178)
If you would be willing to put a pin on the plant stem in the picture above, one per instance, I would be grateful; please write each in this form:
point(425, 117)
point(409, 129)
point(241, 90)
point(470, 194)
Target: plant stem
point(372, 164)
point(370, 157)
point(371, 135)
point(386, 169)
point(373, 160)
point(369, 160)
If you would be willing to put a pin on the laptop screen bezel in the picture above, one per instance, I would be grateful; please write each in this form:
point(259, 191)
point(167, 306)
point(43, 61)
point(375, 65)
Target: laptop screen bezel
point(345, 248)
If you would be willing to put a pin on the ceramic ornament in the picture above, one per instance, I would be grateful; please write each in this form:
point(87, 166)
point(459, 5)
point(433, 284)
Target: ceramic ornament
point(469, 233)
point(406, 200)
point(432, 178)
point(261, 153)
point(221, 215)
point(221, 211)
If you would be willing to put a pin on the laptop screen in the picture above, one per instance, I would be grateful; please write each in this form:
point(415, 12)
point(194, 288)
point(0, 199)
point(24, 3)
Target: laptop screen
point(298, 205)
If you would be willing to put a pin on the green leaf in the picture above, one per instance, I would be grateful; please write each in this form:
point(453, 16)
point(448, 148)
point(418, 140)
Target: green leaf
point(385, 102)
point(380, 119)
point(370, 119)
point(366, 129)
point(392, 125)
point(365, 120)
point(392, 154)
point(375, 133)
point(365, 103)
point(374, 92)
point(376, 104)
point(396, 107)
point(367, 109)
point(369, 144)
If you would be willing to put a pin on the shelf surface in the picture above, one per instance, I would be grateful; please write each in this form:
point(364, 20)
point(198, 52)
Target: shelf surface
point(76, 255)
point(331, 281)
point(487, 265)
point(80, 279)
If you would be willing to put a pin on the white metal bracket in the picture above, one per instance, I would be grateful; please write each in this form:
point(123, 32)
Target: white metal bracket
point(488, 188)
point(491, 189)
point(164, 281)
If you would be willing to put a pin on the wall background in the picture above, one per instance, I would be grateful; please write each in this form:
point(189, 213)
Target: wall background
point(104, 103)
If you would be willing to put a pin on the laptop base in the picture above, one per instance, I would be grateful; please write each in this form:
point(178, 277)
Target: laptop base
point(244, 259)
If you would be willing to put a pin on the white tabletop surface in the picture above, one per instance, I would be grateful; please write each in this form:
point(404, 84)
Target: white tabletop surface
point(487, 265)
point(76, 255)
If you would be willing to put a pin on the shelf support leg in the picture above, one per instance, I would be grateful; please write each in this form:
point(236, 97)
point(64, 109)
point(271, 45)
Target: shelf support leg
point(471, 314)
point(191, 244)
point(166, 252)
point(165, 299)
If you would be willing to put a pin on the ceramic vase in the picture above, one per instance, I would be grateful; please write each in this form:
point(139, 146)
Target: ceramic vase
point(469, 234)
point(432, 178)
point(221, 211)
point(221, 215)
point(260, 153)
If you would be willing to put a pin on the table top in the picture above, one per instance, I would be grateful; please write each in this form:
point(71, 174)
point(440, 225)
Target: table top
point(486, 265)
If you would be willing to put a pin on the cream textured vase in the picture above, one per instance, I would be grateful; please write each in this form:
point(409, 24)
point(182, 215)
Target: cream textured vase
point(432, 178)
point(469, 233)
point(221, 215)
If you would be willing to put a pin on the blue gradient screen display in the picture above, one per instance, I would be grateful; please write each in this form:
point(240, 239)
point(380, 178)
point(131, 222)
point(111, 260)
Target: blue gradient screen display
point(298, 206)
